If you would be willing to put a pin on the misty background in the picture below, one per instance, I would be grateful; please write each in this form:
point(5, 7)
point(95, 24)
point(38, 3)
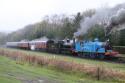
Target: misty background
point(59, 19)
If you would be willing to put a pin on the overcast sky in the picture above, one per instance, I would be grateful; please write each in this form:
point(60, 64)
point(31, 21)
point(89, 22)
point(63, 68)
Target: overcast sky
point(15, 14)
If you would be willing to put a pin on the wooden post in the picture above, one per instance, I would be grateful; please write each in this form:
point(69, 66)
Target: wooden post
point(98, 73)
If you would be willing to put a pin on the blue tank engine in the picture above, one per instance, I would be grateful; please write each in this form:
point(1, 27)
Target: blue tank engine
point(94, 49)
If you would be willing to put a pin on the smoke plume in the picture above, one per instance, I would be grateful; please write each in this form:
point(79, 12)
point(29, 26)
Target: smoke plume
point(112, 17)
point(116, 20)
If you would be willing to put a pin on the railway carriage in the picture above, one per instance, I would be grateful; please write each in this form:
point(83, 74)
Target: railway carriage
point(38, 45)
point(12, 44)
point(23, 45)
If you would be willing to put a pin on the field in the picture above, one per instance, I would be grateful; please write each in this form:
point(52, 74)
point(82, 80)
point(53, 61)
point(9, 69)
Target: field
point(11, 71)
point(111, 65)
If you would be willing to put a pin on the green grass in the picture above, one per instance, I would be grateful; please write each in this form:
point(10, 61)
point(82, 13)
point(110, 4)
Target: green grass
point(10, 72)
point(105, 64)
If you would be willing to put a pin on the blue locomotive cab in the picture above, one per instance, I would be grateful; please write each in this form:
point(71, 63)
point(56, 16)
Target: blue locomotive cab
point(91, 48)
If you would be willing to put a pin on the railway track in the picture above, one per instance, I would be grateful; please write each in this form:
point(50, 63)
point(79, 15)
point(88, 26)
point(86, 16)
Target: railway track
point(120, 59)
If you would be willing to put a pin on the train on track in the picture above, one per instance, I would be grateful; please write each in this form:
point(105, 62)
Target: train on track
point(89, 49)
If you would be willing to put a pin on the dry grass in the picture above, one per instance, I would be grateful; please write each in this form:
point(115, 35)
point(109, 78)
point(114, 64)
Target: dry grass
point(95, 71)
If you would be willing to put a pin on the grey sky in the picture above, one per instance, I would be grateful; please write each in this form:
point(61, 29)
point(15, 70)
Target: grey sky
point(15, 14)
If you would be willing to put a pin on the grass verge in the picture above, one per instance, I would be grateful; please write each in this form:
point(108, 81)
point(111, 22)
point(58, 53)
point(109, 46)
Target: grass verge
point(76, 73)
point(11, 72)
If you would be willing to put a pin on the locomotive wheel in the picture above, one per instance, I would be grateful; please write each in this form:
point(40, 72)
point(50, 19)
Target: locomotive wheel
point(101, 56)
point(79, 54)
point(87, 55)
point(92, 55)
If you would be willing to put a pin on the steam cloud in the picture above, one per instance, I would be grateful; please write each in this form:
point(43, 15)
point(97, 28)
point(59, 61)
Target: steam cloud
point(111, 16)
point(117, 19)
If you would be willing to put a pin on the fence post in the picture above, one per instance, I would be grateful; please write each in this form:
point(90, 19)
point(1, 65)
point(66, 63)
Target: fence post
point(98, 73)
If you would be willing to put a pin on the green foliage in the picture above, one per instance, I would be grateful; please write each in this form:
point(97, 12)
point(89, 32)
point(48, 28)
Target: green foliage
point(62, 26)
point(96, 31)
point(115, 38)
point(122, 37)
point(76, 21)
point(53, 28)
point(2, 38)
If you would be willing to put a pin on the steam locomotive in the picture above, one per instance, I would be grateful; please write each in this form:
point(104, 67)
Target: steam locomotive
point(89, 49)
